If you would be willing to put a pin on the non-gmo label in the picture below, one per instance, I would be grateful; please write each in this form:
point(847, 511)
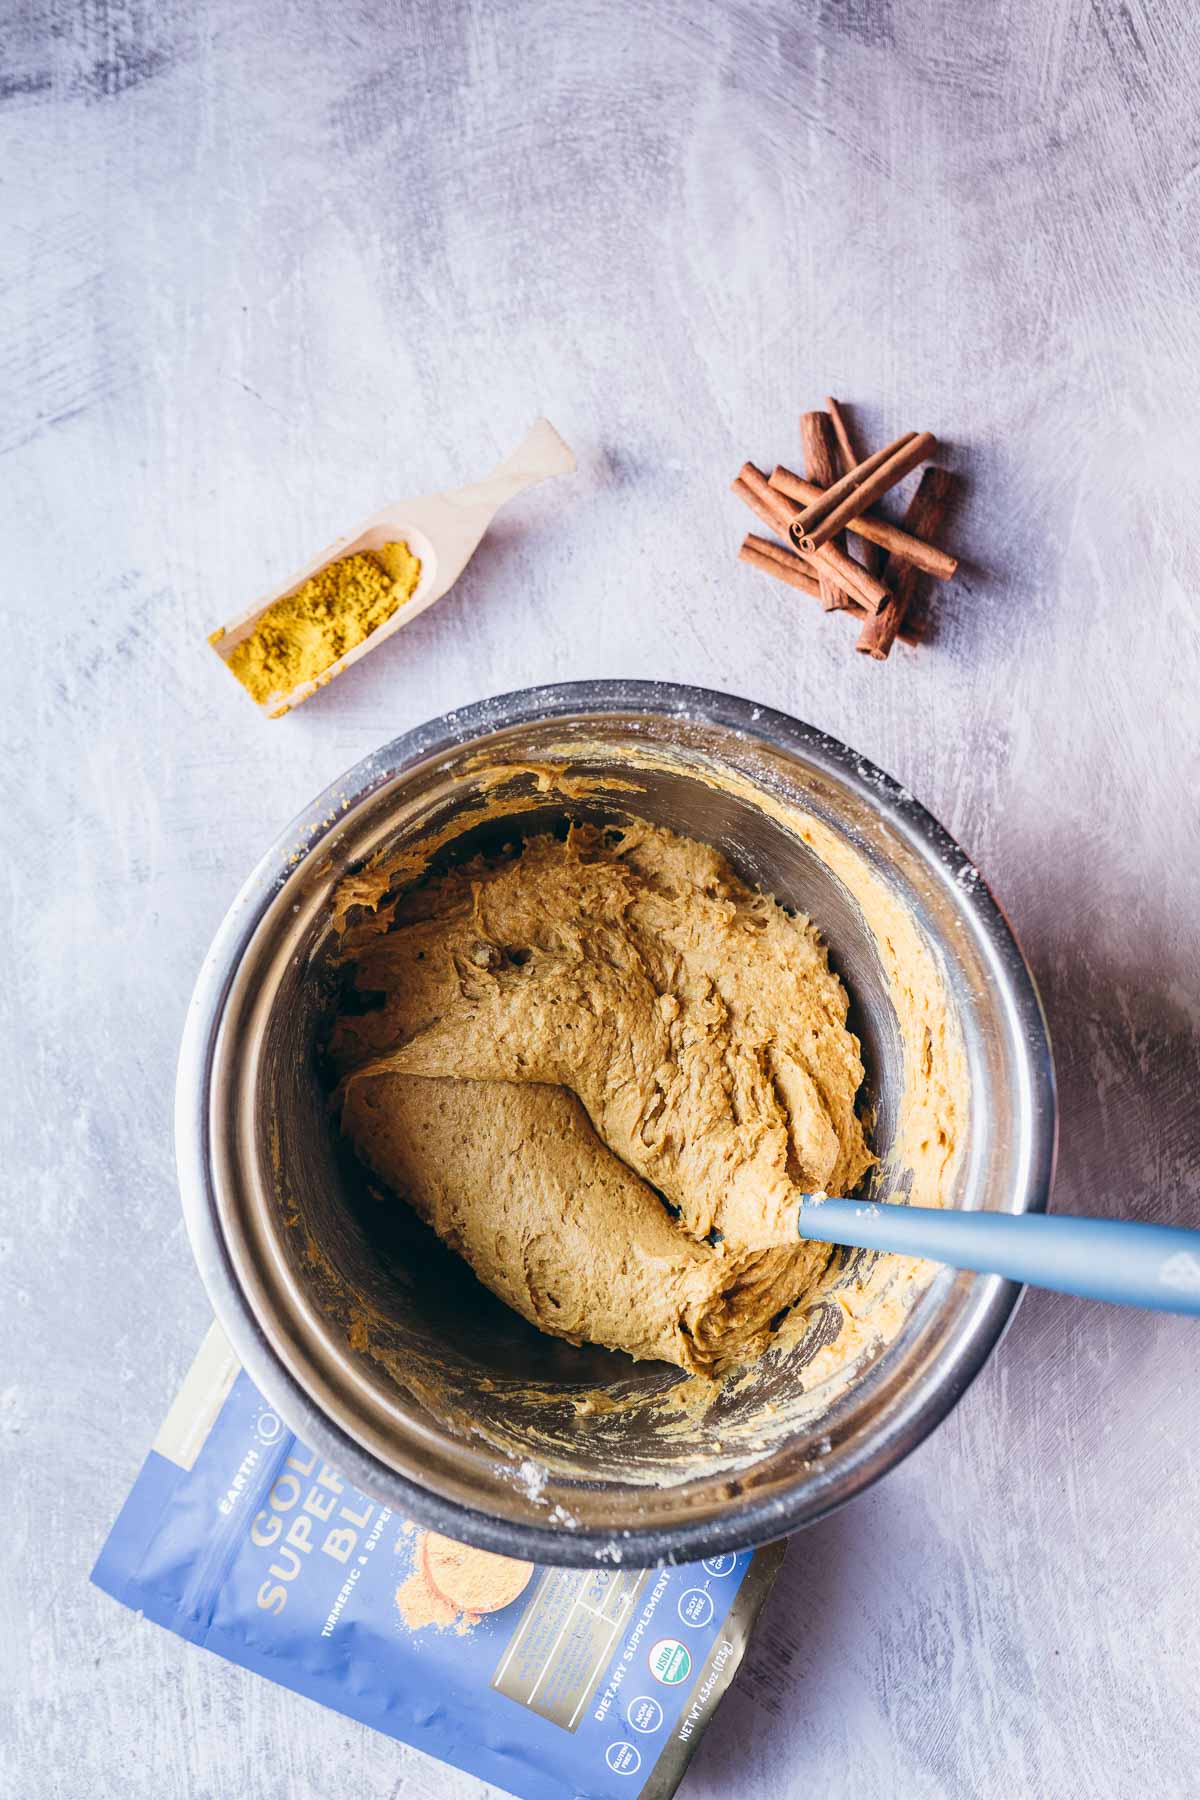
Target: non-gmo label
point(719, 1565)
point(670, 1661)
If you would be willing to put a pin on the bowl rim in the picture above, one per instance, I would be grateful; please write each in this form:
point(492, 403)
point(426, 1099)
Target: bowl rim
point(753, 1521)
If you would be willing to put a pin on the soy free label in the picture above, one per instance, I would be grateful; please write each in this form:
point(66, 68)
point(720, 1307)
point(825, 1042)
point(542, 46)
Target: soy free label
point(696, 1607)
point(670, 1661)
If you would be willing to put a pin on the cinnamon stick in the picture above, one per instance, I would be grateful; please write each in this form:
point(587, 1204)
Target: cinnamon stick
point(881, 532)
point(762, 553)
point(847, 449)
point(841, 504)
point(866, 589)
point(873, 558)
point(811, 516)
point(776, 510)
point(772, 507)
point(926, 515)
point(820, 448)
point(820, 465)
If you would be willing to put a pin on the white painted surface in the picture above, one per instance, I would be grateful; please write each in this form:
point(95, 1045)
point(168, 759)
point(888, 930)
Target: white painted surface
point(264, 268)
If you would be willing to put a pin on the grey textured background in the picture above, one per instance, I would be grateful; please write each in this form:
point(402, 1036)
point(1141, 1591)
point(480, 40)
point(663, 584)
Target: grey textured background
point(264, 267)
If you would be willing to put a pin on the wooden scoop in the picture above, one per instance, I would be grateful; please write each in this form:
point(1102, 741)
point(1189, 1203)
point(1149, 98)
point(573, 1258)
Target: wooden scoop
point(443, 530)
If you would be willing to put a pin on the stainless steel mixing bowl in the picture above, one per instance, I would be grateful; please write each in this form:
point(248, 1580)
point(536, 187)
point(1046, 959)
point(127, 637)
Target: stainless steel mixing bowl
point(294, 1247)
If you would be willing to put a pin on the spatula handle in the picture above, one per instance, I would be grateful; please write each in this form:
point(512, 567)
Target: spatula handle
point(1156, 1266)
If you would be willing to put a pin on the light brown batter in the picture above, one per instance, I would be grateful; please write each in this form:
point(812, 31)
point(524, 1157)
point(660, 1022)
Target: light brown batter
point(604, 1070)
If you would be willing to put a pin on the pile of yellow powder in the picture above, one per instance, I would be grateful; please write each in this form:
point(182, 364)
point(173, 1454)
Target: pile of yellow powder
point(453, 1584)
point(301, 636)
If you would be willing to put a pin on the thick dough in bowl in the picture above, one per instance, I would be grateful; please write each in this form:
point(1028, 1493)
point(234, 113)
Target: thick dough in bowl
point(604, 1069)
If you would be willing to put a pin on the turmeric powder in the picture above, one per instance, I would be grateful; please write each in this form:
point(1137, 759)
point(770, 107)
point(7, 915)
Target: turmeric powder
point(301, 636)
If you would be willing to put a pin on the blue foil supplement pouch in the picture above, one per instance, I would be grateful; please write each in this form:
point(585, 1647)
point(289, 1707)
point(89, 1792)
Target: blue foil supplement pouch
point(594, 1683)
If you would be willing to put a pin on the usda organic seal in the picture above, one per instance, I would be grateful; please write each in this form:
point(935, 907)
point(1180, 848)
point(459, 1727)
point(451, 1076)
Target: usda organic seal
point(670, 1661)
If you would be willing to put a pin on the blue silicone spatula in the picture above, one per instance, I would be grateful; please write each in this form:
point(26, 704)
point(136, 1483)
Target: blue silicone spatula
point(1156, 1266)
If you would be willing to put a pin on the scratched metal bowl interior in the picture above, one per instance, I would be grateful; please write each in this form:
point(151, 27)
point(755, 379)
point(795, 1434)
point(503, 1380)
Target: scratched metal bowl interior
point(454, 1393)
